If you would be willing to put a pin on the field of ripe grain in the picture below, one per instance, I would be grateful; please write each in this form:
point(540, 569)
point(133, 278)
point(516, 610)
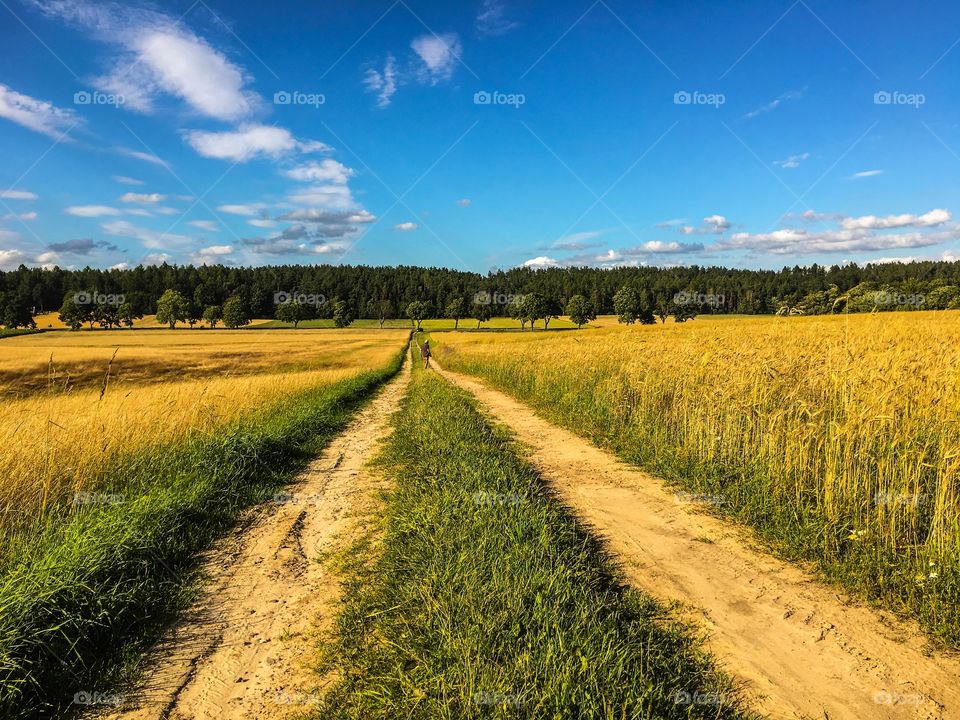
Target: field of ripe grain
point(74, 402)
point(837, 437)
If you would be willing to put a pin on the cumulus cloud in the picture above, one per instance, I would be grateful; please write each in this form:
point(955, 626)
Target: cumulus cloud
point(37, 115)
point(542, 261)
point(248, 142)
point(91, 210)
point(712, 224)
point(406, 226)
point(10, 258)
point(492, 20)
point(872, 222)
point(211, 255)
point(302, 240)
point(439, 53)
point(327, 170)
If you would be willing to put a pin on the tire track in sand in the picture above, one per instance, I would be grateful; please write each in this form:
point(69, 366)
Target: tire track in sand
point(243, 649)
point(801, 650)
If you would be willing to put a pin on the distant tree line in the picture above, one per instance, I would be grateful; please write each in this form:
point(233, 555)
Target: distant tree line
point(229, 295)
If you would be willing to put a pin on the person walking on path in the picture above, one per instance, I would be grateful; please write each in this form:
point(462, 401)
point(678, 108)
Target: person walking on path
point(425, 353)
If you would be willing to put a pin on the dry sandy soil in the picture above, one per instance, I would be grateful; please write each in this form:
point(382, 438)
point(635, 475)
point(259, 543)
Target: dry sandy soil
point(800, 648)
point(243, 650)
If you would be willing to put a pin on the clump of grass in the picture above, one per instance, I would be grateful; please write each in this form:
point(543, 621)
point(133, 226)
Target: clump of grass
point(836, 437)
point(486, 598)
point(83, 593)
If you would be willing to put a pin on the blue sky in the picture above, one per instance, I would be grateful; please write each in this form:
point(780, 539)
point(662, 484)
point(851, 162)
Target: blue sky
point(479, 134)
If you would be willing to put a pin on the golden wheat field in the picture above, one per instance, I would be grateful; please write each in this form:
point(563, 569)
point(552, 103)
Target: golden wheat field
point(853, 421)
point(74, 401)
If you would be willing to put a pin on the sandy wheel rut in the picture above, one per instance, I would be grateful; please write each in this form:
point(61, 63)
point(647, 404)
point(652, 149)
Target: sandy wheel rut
point(801, 650)
point(243, 649)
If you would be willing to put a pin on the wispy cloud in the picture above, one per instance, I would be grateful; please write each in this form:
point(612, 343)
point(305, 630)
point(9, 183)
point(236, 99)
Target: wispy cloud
point(37, 115)
point(793, 161)
point(492, 19)
point(774, 104)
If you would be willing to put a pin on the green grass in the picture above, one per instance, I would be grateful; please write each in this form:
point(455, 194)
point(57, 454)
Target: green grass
point(486, 598)
point(13, 332)
point(83, 595)
point(796, 529)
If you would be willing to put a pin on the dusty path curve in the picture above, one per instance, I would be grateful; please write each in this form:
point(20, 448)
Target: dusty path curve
point(800, 649)
point(242, 651)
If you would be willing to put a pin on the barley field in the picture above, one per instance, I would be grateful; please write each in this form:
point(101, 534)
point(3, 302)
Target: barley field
point(74, 402)
point(836, 437)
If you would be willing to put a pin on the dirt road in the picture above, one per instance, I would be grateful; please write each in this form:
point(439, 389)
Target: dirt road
point(801, 649)
point(242, 651)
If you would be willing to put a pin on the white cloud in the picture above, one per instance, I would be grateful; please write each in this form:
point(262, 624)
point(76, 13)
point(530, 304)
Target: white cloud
point(19, 216)
point(671, 223)
point(793, 161)
point(384, 84)
point(541, 262)
point(212, 254)
point(142, 197)
point(156, 259)
point(492, 21)
point(38, 115)
point(865, 174)
point(313, 215)
point(17, 195)
point(244, 210)
point(120, 266)
point(124, 180)
point(327, 170)
point(165, 211)
point(872, 222)
point(262, 223)
point(406, 226)
point(774, 104)
point(790, 241)
point(10, 259)
point(332, 197)
point(138, 212)
point(150, 238)
point(145, 156)
point(91, 210)
point(439, 53)
point(576, 241)
point(464, 202)
point(208, 225)
point(712, 224)
point(160, 55)
point(248, 142)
